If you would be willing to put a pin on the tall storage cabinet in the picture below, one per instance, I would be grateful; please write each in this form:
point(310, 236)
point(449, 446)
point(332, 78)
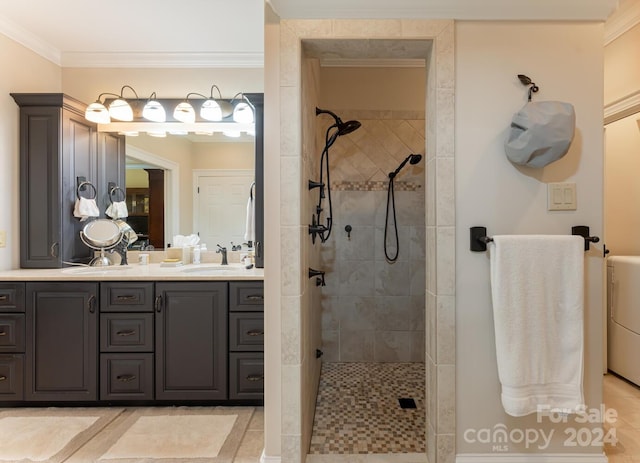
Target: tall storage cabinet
point(57, 148)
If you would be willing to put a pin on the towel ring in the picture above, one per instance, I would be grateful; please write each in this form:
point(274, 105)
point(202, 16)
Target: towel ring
point(113, 191)
point(81, 186)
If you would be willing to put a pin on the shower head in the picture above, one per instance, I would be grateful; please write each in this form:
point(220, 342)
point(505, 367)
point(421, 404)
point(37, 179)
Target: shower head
point(412, 159)
point(344, 128)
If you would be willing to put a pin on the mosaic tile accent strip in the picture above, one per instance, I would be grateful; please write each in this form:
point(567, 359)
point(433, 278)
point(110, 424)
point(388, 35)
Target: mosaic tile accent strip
point(357, 409)
point(374, 186)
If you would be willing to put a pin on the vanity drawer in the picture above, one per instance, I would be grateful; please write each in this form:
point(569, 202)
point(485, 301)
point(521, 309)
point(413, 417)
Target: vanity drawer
point(126, 332)
point(126, 377)
point(246, 376)
point(11, 297)
point(12, 332)
point(246, 296)
point(126, 297)
point(11, 377)
point(246, 331)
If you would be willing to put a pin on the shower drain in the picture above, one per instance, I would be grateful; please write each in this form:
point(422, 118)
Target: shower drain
point(407, 403)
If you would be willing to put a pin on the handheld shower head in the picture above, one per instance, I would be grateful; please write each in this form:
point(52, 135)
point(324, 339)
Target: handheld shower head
point(412, 159)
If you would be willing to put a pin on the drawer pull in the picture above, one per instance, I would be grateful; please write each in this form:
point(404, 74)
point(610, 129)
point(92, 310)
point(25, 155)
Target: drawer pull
point(3, 378)
point(126, 297)
point(4, 297)
point(125, 378)
point(255, 297)
point(158, 304)
point(91, 303)
point(126, 333)
point(255, 333)
point(255, 378)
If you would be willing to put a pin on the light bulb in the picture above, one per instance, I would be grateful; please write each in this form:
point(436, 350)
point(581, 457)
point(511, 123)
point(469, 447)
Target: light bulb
point(211, 111)
point(154, 111)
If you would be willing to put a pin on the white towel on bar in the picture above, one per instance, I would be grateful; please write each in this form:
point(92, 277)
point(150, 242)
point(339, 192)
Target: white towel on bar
point(85, 208)
point(250, 232)
point(537, 287)
point(117, 210)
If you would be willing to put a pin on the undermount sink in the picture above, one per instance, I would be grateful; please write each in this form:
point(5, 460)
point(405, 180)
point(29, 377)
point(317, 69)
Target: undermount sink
point(96, 270)
point(207, 269)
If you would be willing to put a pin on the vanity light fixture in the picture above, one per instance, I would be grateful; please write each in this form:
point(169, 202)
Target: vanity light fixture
point(153, 110)
point(215, 110)
point(120, 108)
point(184, 112)
point(243, 110)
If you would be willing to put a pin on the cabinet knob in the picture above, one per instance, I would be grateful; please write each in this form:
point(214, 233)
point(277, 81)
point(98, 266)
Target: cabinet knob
point(255, 378)
point(126, 332)
point(125, 378)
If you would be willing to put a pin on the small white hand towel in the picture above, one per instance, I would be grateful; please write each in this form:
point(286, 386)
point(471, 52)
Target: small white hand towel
point(537, 287)
point(117, 210)
point(85, 208)
point(250, 232)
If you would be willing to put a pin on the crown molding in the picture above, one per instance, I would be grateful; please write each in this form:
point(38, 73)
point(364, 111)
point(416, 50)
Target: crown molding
point(162, 60)
point(372, 63)
point(30, 40)
point(621, 21)
point(549, 10)
point(622, 108)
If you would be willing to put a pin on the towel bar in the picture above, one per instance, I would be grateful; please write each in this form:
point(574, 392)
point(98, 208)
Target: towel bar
point(479, 239)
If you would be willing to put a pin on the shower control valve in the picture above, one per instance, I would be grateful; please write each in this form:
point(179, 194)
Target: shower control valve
point(319, 274)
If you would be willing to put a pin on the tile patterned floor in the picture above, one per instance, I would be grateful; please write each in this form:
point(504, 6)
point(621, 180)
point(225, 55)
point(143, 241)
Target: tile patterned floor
point(357, 409)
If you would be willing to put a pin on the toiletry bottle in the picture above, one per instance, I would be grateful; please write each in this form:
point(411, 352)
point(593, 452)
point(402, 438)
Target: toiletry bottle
point(196, 254)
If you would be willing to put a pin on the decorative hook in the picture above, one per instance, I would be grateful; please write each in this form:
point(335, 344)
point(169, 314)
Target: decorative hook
point(527, 81)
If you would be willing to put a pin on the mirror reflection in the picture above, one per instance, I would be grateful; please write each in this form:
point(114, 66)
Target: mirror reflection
point(189, 184)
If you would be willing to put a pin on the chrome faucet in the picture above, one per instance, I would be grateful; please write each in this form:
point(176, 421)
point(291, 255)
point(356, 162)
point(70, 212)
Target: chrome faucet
point(223, 251)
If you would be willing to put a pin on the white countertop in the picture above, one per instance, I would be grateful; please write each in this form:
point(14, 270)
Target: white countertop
point(137, 272)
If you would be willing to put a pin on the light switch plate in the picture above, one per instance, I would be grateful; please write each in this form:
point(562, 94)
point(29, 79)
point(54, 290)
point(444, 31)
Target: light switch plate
point(562, 197)
point(3, 238)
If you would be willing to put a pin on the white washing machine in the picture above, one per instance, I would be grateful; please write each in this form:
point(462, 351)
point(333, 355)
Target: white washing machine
point(623, 316)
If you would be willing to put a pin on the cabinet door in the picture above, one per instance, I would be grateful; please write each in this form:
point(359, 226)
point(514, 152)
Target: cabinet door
point(61, 341)
point(191, 341)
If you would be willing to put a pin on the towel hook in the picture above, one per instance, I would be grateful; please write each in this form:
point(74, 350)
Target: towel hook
point(527, 81)
point(251, 188)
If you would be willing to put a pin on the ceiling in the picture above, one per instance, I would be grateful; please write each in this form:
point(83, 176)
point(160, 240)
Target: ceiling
point(224, 33)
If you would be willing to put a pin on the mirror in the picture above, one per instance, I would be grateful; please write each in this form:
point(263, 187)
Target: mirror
point(163, 175)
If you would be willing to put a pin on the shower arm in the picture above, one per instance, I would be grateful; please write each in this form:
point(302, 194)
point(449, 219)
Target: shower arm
point(402, 164)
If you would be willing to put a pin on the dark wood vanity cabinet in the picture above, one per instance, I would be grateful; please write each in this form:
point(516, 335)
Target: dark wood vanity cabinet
point(191, 341)
point(61, 341)
point(58, 146)
point(65, 341)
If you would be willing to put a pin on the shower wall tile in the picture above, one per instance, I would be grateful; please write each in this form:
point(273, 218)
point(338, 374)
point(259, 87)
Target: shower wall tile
point(290, 191)
point(430, 194)
point(445, 57)
point(410, 208)
point(446, 274)
point(290, 261)
point(391, 313)
point(356, 279)
point(392, 279)
point(417, 275)
point(431, 323)
point(431, 443)
point(292, 448)
point(357, 346)
point(372, 28)
point(431, 259)
point(291, 399)
point(445, 106)
point(420, 28)
point(357, 313)
point(445, 191)
point(417, 315)
point(446, 330)
point(432, 397)
point(418, 243)
point(311, 27)
point(404, 234)
point(411, 137)
point(446, 399)
point(359, 246)
point(289, 57)
point(330, 313)
point(445, 448)
point(331, 345)
point(417, 346)
point(356, 207)
point(393, 346)
point(291, 330)
point(290, 134)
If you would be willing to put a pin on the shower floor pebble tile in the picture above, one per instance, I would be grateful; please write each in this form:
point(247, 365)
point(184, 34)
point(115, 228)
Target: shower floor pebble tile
point(357, 409)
